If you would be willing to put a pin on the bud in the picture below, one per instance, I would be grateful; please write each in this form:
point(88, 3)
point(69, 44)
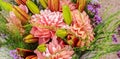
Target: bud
point(61, 33)
point(31, 57)
point(20, 2)
point(53, 5)
point(41, 48)
point(67, 14)
point(30, 39)
point(81, 4)
point(22, 15)
point(33, 40)
point(43, 3)
point(29, 36)
point(24, 52)
point(5, 6)
point(32, 7)
point(46, 1)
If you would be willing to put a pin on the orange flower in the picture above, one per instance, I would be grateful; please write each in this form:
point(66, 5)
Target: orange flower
point(21, 2)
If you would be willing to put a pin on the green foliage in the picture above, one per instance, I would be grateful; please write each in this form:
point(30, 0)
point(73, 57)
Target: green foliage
point(14, 38)
point(3, 27)
point(27, 28)
point(89, 1)
point(103, 40)
point(75, 56)
point(74, 1)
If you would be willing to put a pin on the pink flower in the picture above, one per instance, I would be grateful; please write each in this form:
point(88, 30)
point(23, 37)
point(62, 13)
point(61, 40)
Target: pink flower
point(45, 24)
point(56, 50)
point(71, 5)
point(23, 7)
point(43, 34)
point(81, 26)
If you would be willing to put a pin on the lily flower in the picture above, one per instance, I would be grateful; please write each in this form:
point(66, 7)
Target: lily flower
point(81, 4)
point(71, 5)
point(53, 5)
point(21, 2)
point(30, 39)
point(24, 52)
point(21, 14)
point(23, 7)
point(31, 57)
point(56, 5)
point(14, 21)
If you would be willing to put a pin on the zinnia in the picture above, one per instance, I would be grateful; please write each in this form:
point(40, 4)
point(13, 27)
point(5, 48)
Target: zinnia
point(81, 27)
point(55, 50)
point(45, 24)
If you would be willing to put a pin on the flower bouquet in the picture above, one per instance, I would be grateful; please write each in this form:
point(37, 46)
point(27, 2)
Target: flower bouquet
point(57, 29)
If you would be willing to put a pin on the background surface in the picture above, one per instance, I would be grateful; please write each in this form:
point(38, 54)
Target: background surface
point(113, 5)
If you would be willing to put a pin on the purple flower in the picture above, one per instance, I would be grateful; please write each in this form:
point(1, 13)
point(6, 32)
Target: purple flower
point(97, 19)
point(114, 38)
point(93, 8)
point(118, 54)
point(14, 54)
point(118, 29)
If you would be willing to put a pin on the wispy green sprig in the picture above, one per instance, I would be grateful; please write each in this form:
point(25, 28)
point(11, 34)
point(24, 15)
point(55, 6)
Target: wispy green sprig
point(103, 40)
point(14, 39)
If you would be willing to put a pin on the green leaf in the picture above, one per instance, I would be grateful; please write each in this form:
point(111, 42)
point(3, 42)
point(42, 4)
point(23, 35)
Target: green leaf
point(61, 33)
point(74, 1)
point(75, 56)
point(3, 27)
point(67, 14)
